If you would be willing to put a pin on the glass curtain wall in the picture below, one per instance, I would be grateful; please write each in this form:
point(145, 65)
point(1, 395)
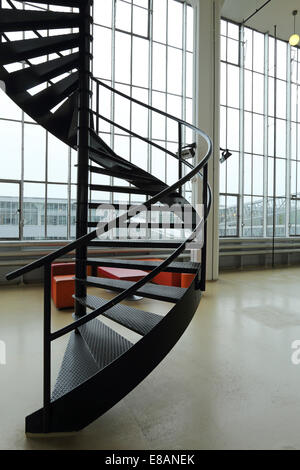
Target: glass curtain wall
point(37, 171)
point(144, 48)
point(260, 122)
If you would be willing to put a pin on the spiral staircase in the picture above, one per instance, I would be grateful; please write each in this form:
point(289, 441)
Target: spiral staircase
point(100, 366)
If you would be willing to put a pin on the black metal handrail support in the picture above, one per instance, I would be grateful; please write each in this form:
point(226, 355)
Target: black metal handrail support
point(83, 147)
point(47, 346)
point(205, 215)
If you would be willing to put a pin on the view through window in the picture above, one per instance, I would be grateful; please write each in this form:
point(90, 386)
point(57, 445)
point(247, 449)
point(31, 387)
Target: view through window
point(260, 125)
point(143, 48)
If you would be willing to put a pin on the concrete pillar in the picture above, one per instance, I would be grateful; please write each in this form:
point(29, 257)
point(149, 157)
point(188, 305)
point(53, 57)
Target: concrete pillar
point(208, 14)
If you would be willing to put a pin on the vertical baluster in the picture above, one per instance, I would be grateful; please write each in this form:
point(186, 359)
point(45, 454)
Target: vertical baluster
point(84, 122)
point(97, 106)
point(180, 173)
point(204, 249)
point(47, 346)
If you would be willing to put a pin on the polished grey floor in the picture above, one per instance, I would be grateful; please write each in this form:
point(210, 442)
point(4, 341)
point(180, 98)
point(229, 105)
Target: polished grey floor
point(228, 384)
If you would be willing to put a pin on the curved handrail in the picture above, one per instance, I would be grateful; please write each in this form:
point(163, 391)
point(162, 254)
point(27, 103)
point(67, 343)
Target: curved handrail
point(145, 139)
point(151, 108)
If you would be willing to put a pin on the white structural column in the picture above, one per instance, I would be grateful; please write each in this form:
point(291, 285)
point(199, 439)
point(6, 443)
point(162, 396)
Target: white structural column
point(208, 114)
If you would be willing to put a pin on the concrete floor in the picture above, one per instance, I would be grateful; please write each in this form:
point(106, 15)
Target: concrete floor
point(228, 384)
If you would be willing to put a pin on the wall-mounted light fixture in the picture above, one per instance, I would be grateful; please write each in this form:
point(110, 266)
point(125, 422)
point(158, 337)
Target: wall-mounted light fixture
point(225, 154)
point(295, 38)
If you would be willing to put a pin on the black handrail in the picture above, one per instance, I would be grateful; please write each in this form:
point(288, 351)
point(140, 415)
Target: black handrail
point(151, 108)
point(179, 121)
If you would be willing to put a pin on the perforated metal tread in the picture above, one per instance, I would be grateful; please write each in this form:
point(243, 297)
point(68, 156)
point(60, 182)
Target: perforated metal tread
point(152, 291)
point(136, 320)
point(148, 265)
point(104, 344)
point(167, 244)
point(78, 365)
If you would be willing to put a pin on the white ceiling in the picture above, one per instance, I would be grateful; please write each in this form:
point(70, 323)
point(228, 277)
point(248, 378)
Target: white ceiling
point(277, 12)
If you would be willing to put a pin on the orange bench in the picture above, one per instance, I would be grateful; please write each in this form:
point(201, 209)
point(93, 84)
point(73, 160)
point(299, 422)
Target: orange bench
point(121, 273)
point(165, 279)
point(63, 284)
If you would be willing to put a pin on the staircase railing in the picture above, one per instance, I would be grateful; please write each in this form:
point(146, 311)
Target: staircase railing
point(45, 262)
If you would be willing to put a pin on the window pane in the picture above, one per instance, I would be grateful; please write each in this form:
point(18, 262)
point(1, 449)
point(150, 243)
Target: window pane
point(103, 12)
point(258, 93)
point(174, 71)
point(160, 20)
point(281, 99)
point(258, 134)
point(257, 217)
point(248, 48)
point(58, 160)
point(102, 67)
point(139, 113)
point(190, 29)
point(233, 129)
point(233, 173)
point(34, 152)
point(233, 86)
point(34, 211)
point(258, 52)
point(139, 153)
point(247, 174)
point(175, 23)
point(8, 109)
point(281, 138)
point(9, 210)
point(140, 57)
point(232, 51)
point(281, 59)
point(123, 17)
point(57, 211)
point(140, 21)
point(280, 177)
point(231, 216)
point(11, 146)
point(258, 175)
point(159, 67)
point(122, 61)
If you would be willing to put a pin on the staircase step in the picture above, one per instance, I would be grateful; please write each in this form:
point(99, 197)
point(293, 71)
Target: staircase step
point(63, 123)
point(168, 244)
point(78, 365)
point(146, 225)
point(190, 268)
point(152, 291)
point(41, 103)
point(121, 189)
point(16, 51)
point(126, 207)
point(63, 3)
point(104, 344)
point(139, 321)
point(87, 353)
point(36, 74)
point(18, 20)
point(114, 173)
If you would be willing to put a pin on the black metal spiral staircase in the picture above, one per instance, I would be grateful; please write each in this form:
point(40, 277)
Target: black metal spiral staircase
point(100, 366)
